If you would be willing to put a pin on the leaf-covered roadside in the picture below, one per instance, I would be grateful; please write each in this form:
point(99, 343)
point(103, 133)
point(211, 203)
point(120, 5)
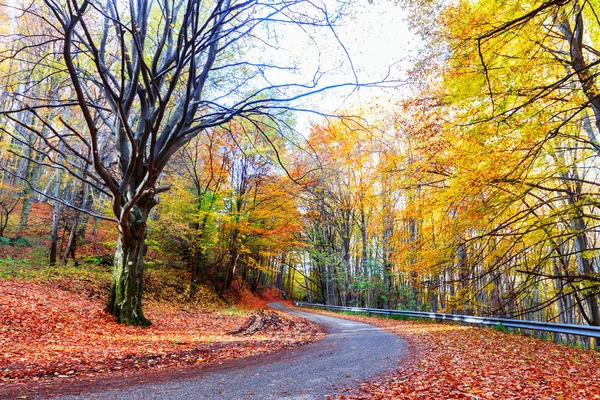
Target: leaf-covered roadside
point(48, 333)
point(458, 362)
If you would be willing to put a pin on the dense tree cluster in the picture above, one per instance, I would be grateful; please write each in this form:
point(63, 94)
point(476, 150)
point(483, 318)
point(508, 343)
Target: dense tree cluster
point(490, 202)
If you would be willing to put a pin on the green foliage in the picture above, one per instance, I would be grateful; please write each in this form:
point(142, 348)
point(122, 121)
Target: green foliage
point(98, 260)
point(36, 271)
point(19, 241)
point(404, 318)
point(235, 311)
point(386, 316)
point(22, 242)
point(362, 314)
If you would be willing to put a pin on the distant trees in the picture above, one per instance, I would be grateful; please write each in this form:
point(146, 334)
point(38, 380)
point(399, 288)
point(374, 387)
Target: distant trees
point(343, 213)
point(231, 213)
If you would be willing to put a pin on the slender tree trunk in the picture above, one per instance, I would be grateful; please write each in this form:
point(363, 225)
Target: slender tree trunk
point(55, 216)
point(232, 265)
point(25, 168)
point(70, 248)
point(364, 257)
point(25, 211)
point(80, 201)
point(291, 276)
point(256, 282)
point(280, 275)
point(84, 218)
point(197, 261)
point(387, 264)
point(198, 264)
point(464, 277)
point(387, 246)
point(345, 295)
point(581, 246)
point(413, 235)
point(32, 174)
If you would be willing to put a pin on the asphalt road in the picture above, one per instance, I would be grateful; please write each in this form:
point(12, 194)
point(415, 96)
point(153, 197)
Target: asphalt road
point(351, 352)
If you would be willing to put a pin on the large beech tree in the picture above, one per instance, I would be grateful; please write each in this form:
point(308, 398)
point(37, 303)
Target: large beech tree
point(144, 77)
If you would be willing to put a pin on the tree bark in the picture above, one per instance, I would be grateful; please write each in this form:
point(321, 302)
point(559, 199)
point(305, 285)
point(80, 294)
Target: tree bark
point(125, 295)
point(55, 217)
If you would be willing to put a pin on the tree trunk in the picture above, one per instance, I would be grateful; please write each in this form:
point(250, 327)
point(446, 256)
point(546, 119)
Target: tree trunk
point(581, 246)
point(125, 295)
point(256, 282)
point(280, 275)
point(198, 261)
point(364, 256)
point(70, 248)
point(54, 240)
point(26, 168)
point(388, 248)
point(55, 217)
point(25, 211)
point(231, 267)
point(81, 200)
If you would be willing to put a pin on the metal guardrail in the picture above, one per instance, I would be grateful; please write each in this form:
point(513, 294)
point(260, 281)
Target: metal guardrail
point(569, 329)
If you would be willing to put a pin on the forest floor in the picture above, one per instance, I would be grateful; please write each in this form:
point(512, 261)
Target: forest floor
point(449, 361)
point(48, 335)
point(53, 330)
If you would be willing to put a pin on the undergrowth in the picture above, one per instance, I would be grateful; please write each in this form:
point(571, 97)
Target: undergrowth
point(384, 316)
point(163, 284)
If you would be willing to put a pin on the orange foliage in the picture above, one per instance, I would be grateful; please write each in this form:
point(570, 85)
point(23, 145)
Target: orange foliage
point(48, 333)
point(98, 235)
point(457, 362)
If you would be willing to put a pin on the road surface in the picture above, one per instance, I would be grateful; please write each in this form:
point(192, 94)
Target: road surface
point(351, 352)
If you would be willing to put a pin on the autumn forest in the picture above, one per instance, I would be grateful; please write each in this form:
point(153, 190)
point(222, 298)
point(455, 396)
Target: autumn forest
point(157, 139)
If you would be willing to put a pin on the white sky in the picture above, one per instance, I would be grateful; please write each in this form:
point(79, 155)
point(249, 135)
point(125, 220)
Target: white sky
point(376, 38)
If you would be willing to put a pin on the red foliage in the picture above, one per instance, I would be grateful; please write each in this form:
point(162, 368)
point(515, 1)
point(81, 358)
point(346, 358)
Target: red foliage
point(99, 234)
point(456, 362)
point(48, 333)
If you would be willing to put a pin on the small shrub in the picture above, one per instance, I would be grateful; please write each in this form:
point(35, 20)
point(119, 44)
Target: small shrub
point(106, 260)
point(21, 242)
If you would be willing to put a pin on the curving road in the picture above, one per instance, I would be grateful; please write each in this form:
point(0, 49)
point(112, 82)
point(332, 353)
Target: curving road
point(351, 351)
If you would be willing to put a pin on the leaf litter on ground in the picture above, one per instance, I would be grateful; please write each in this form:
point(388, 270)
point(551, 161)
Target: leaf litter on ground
point(51, 334)
point(448, 361)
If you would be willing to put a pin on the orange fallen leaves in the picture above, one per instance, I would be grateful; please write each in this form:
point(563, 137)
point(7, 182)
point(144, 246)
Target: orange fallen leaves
point(456, 362)
point(48, 333)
